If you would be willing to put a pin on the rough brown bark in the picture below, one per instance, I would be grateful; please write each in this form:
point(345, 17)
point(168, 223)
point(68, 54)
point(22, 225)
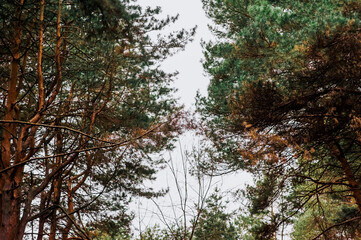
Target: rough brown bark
point(40, 56)
point(337, 152)
point(57, 183)
point(70, 210)
point(42, 217)
point(9, 181)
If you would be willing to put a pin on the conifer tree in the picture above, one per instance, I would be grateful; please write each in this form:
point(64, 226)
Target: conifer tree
point(283, 101)
point(83, 104)
point(215, 222)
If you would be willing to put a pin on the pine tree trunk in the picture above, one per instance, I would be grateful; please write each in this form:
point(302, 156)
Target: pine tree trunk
point(337, 152)
point(9, 180)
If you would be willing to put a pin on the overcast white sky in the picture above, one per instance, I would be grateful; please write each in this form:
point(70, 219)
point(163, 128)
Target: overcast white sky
point(191, 77)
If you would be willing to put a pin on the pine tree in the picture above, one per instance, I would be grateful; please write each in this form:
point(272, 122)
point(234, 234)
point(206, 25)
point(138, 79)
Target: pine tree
point(83, 105)
point(214, 222)
point(284, 93)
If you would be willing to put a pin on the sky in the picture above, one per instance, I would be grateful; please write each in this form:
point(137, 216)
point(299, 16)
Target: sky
point(191, 79)
point(191, 76)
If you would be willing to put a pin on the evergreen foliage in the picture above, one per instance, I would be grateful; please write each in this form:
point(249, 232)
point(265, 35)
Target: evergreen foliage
point(215, 222)
point(85, 109)
point(84, 104)
point(283, 101)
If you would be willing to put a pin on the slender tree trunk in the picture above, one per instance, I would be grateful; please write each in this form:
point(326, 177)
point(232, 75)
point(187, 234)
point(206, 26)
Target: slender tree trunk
point(31, 137)
point(42, 217)
point(41, 97)
point(272, 216)
point(57, 189)
point(70, 210)
point(337, 152)
point(9, 181)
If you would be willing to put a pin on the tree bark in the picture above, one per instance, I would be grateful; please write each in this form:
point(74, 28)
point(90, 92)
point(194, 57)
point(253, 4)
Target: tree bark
point(57, 183)
point(337, 152)
point(10, 181)
point(70, 210)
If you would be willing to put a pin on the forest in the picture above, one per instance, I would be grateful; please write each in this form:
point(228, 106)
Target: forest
point(88, 117)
